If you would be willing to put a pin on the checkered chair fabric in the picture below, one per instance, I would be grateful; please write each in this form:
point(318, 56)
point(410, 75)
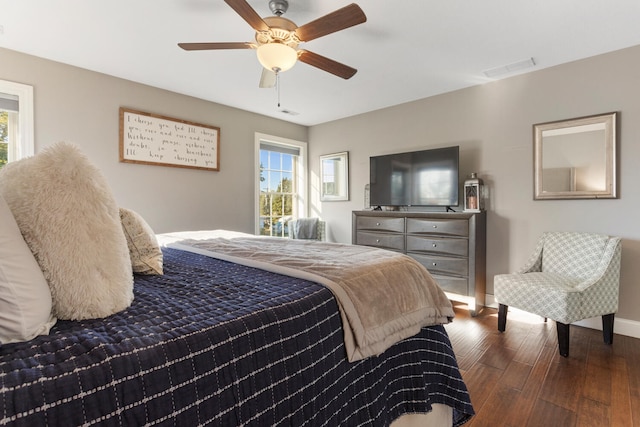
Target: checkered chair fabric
point(569, 277)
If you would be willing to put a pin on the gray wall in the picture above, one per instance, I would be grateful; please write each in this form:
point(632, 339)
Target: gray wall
point(81, 107)
point(492, 124)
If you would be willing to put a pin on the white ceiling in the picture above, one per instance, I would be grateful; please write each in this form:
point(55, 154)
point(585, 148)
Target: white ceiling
point(407, 49)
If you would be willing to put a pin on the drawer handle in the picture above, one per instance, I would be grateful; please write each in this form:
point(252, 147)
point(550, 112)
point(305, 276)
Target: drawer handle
point(435, 226)
point(434, 245)
point(434, 264)
point(377, 240)
point(377, 223)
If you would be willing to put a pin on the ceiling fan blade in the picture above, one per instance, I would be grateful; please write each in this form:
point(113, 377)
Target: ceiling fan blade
point(215, 46)
point(247, 13)
point(267, 79)
point(326, 64)
point(343, 18)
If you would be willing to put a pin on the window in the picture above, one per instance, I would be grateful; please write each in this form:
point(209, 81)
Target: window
point(280, 184)
point(16, 121)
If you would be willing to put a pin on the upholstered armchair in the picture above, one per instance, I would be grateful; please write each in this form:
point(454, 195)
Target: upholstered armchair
point(569, 277)
point(308, 228)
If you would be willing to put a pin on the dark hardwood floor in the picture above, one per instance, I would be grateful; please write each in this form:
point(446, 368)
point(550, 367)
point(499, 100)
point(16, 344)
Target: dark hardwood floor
point(517, 378)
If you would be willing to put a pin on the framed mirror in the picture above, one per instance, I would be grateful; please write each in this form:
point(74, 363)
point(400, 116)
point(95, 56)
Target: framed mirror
point(576, 158)
point(334, 177)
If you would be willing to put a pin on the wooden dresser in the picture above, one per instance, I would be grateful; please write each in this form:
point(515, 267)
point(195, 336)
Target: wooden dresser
point(452, 246)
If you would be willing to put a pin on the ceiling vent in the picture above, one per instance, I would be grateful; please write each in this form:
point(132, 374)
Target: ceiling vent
point(510, 68)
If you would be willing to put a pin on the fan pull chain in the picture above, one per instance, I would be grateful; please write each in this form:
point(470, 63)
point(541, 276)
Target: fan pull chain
point(278, 87)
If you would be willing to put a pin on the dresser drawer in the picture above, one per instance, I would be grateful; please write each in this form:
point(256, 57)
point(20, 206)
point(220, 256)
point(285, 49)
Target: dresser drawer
point(454, 285)
point(444, 265)
point(380, 224)
point(452, 246)
point(453, 227)
point(438, 245)
point(381, 240)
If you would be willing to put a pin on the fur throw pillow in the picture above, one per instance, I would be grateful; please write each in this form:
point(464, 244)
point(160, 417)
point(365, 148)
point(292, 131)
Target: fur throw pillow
point(70, 221)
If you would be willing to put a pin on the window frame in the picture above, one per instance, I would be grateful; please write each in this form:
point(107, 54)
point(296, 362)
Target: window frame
point(25, 146)
point(301, 201)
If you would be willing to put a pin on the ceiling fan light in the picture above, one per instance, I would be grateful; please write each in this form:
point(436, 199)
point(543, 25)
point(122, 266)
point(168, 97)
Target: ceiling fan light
point(277, 57)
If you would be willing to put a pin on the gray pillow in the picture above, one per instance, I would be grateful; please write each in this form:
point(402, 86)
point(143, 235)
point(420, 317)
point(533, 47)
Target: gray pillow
point(25, 299)
point(145, 253)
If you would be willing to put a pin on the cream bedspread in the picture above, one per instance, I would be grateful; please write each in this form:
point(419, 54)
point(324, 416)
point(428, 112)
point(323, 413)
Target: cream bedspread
point(383, 296)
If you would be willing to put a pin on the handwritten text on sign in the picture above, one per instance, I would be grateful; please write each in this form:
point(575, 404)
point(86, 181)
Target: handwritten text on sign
point(152, 139)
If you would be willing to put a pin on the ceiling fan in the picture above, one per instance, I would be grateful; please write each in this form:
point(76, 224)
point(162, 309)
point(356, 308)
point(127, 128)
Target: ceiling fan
point(277, 39)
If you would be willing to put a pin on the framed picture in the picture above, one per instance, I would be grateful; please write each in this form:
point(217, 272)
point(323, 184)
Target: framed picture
point(152, 139)
point(334, 177)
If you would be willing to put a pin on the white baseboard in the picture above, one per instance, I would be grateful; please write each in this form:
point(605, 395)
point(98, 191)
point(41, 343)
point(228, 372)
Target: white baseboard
point(626, 327)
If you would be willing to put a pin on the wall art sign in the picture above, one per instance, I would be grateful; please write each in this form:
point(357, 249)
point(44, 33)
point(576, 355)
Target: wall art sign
point(152, 139)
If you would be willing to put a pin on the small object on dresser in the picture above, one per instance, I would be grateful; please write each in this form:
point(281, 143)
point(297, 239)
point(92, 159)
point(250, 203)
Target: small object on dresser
point(367, 196)
point(473, 192)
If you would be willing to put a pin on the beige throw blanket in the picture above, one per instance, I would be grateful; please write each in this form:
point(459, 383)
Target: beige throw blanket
point(383, 296)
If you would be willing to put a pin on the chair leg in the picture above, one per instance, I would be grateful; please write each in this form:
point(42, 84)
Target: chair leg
point(607, 327)
point(502, 317)
point(563, 338)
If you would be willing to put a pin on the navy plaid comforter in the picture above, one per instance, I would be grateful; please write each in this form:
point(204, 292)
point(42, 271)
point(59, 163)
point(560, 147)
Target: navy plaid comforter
point(216, 343)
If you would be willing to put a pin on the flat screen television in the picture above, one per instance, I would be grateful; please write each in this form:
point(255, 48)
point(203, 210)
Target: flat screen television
point(418, 178)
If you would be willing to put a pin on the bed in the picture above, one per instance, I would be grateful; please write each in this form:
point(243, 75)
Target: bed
point(211, 342)
point(215, 338)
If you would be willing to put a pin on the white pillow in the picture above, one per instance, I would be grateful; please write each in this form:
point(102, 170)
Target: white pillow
point(25, 299)
point(69, 219)
point(145, 253)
